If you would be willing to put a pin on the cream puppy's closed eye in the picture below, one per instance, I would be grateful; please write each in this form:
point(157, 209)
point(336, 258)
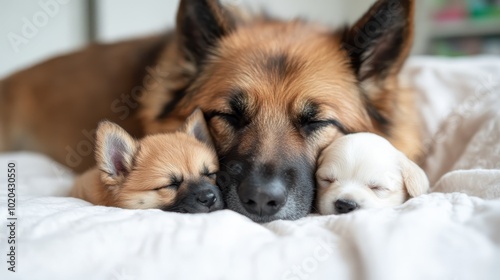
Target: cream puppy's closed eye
point(364, 170)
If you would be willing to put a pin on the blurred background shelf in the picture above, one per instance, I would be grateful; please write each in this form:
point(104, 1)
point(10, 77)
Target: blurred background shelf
point(465, 28)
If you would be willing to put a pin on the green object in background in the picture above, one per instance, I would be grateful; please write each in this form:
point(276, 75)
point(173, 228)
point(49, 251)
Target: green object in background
point(444, 48)
point(480, 9)
point(477, 33)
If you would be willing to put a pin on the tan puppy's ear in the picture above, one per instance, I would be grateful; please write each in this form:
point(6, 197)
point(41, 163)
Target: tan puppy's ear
point(115, 151)
point(197, 127)
point(414, 178)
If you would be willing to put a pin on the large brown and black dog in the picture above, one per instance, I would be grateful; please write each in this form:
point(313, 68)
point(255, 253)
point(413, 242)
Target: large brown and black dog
point(274, 93)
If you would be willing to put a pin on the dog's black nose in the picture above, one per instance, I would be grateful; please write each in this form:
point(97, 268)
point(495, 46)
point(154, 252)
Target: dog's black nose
point(343, 206)
point(262, 199)
point(206, 198)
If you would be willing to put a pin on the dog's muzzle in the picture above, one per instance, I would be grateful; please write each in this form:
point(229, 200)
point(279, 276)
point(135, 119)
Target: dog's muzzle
point(262, 198)
point(343, 206)
point(268, 191)
point(207, 198)
point(203, 198)
point(200, 197)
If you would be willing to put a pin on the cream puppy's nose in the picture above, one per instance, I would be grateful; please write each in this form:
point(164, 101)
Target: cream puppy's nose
point(343, 206)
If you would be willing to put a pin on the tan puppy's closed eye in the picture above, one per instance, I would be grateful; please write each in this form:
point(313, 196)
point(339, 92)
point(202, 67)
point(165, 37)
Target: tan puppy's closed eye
point(172, 172)
point(363, 170)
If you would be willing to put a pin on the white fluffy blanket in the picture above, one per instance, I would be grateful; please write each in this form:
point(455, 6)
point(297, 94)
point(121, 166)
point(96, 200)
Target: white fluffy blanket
point(453, 233)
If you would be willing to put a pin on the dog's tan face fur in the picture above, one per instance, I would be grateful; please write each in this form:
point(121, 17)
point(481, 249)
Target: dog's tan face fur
point(362, 171)
point(172, 172)
point(277, 84)
point(281, 97)
point(275, 93)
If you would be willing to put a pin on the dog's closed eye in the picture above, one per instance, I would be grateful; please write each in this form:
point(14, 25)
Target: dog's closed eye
point(175, 183)
point(327, 180)
point(377, 188)
point(211, 175)
point(208, 172)
point(233, 119)
point(174, 186)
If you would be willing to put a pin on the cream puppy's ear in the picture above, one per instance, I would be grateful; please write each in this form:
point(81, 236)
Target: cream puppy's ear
point(197, 127)
point(414, 178)
point(115, 151)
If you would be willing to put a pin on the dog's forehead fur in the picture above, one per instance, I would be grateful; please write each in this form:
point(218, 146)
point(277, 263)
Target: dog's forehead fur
point(279, 69)
point(158, 160)
point(283, 65)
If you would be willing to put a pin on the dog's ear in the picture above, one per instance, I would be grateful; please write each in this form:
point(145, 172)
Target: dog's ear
point(196, 126)
point(200, 24)
point(115, 151)
point(380, 41)
point(414, 178)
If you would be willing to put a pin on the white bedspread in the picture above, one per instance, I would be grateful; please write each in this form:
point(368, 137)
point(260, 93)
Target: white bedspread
point(442, 235)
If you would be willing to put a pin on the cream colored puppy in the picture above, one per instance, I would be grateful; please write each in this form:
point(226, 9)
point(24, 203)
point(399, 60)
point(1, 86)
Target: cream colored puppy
point(364, 170)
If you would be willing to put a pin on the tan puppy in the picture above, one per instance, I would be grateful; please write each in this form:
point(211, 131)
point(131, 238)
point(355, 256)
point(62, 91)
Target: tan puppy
point(172, 172)
point(364, 170)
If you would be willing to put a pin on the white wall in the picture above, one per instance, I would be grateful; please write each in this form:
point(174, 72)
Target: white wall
point(121, 19)
point(31, 31)
point(329, 12)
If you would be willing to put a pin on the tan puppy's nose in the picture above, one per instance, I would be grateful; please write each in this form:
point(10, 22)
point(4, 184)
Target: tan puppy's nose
point(207, 198)
point(343, 206)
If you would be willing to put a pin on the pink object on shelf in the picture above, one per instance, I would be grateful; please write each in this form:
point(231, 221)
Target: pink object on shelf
point(451, 14)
